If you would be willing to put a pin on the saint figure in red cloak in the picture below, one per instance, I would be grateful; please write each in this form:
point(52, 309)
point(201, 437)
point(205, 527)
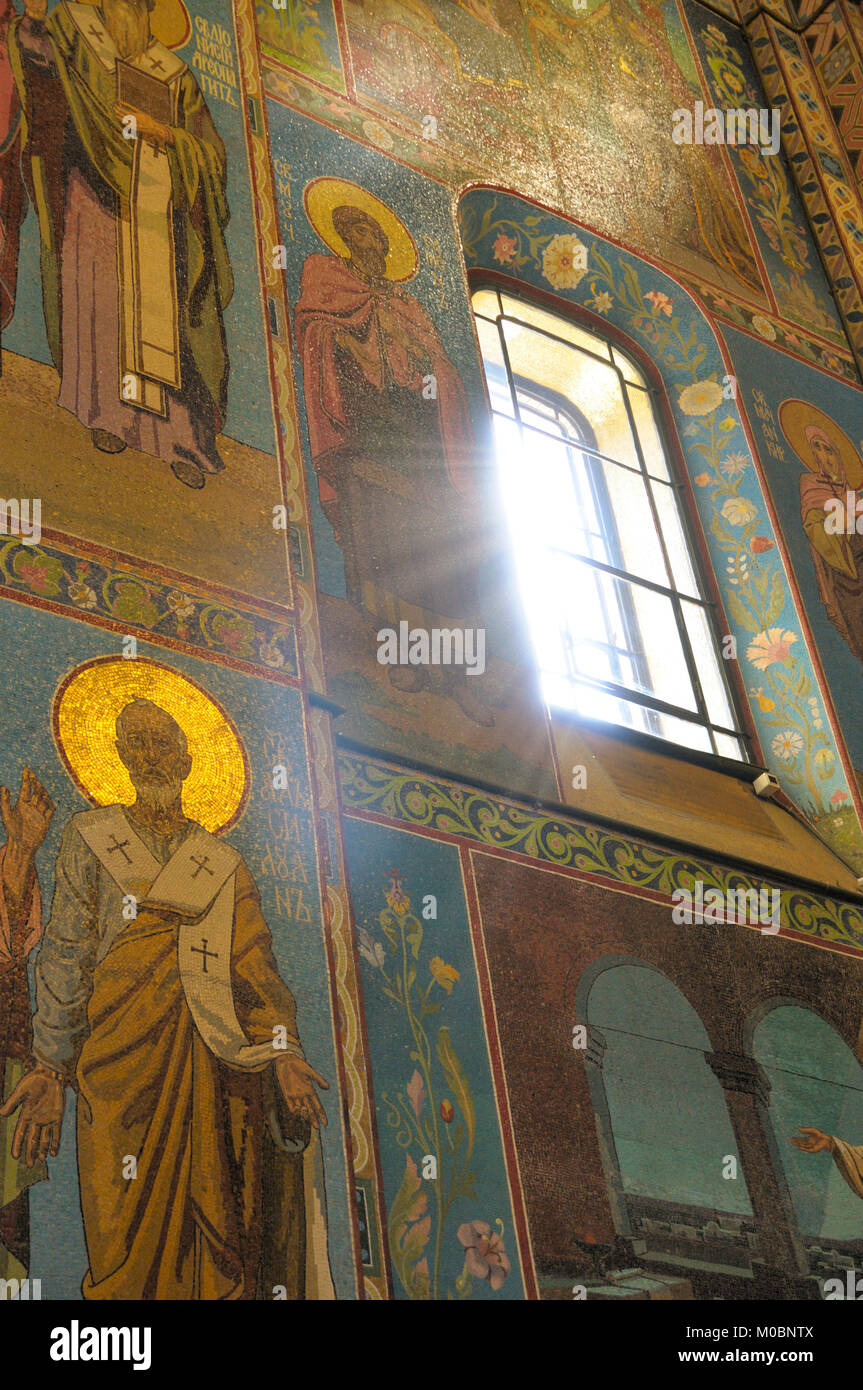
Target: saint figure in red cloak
point(392, 446)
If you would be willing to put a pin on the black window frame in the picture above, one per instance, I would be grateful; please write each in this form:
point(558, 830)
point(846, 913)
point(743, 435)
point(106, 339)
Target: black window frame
point(707, 596)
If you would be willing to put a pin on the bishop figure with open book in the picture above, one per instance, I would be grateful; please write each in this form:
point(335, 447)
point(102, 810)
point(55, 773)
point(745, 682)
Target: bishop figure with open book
point(127, 174)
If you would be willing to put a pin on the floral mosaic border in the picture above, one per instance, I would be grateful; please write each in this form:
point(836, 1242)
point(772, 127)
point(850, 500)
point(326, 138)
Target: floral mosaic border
point(87, 586)
point(349, 1038)
point(818, 158)
point(783, 334)
point(421, 801)
point(775, 206)
point(514, 237)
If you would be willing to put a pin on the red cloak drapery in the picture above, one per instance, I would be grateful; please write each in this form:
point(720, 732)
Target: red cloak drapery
point(395, 342)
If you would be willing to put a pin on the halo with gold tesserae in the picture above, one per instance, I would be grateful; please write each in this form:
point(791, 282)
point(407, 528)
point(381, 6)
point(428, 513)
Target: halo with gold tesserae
point(322, 196)
point(795, 416)
point(171, 23)
point(85, 712)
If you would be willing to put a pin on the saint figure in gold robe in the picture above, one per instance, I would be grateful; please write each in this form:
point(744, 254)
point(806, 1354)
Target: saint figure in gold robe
point(158, 999)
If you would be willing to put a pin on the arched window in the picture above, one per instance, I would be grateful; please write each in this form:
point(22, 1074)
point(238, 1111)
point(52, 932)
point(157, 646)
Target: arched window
point(815, 1081)
point(621, 622)
point(669, 1127)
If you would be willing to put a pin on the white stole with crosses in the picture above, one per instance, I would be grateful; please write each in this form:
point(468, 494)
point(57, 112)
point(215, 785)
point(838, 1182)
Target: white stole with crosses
point(146, 256)
point(198, 884)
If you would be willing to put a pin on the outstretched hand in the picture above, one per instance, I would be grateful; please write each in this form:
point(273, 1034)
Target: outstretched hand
point(26, 823)
point(42, 1100)
point(814, 1142)
point(297, 1081)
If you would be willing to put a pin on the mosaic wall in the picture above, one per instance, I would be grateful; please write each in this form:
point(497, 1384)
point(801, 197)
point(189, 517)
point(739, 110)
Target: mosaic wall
point(811, 73)
point(786, 699)
point(147, 568)
point(628, 1056)
point(219, 486)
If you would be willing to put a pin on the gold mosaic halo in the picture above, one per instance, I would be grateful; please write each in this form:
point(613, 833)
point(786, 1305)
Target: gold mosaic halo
point(85, 711)
point(794, 416)
point(323, 195)
point(170, 23)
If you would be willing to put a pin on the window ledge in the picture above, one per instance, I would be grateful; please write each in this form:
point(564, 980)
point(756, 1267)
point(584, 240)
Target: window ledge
point(743, 771)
